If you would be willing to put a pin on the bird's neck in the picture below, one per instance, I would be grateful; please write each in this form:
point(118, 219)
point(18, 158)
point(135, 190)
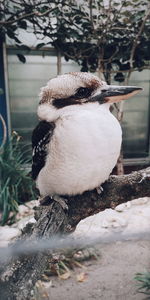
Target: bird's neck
point(50, 114)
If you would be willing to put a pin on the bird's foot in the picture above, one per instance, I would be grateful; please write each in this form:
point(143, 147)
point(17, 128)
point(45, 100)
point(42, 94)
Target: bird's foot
point(47, 200)
point(99, 190)
point(62, 201)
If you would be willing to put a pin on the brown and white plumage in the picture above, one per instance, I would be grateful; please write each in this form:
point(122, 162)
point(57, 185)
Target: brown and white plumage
point(77, 142)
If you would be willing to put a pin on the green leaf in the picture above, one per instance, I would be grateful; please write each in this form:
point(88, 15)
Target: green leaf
point(17, 40)
point(21, 58)
point(10, 33)
point(144, 283)
point(16, 184)
point(119, 77)
point(22, 24)
point(40, 45)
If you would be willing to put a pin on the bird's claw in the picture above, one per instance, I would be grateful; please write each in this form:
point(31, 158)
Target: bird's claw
point(99, 190)
point(61, 201)
point(47, 200)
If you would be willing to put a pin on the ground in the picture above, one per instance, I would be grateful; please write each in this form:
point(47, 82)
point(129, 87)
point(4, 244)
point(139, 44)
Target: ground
point(123, 241)
point(111, 277)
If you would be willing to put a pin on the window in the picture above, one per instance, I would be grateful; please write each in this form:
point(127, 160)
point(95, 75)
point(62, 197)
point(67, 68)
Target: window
point(136, 119)
point(25, 81)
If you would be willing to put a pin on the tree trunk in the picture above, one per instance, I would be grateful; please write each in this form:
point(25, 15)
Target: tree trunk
point(18, 276)
point(119, 166)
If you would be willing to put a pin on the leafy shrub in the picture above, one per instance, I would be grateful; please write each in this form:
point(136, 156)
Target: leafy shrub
point(144, 283)
point(16, 185)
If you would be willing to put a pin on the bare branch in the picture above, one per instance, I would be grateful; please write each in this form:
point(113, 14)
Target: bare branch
point(24, 16)
point(135, 43)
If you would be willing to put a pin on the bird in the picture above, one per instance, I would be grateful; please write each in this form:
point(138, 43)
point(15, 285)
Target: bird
point(77, 141)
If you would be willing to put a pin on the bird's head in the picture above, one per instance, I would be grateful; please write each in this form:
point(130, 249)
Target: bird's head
point(78, 89)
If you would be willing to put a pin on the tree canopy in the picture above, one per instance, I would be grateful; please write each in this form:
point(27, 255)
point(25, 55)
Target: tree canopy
point(109, 36)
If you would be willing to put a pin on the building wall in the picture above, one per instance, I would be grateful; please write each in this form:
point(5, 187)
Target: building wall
point(25, 81)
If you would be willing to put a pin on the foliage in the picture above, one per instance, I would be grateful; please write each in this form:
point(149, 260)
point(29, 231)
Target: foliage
point(144, 282)
point(109, 36)
point(62, 264)
point(16, 186)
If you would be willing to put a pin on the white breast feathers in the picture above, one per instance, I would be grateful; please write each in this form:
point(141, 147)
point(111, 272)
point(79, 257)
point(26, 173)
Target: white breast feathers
point(82, 152)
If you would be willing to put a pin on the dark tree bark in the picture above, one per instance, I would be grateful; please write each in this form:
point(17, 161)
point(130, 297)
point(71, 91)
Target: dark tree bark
point(19, 276)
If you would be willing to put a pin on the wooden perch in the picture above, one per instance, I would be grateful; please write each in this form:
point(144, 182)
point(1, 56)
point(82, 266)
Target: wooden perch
point(18, 277)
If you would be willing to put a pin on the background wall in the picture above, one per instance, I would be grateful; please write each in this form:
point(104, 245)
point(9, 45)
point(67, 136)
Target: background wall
point(25, 81)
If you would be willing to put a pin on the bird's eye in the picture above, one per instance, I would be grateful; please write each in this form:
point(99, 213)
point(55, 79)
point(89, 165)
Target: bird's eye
point(83, 92)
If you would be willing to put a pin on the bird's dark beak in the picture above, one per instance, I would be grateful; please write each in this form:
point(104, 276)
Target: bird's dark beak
point(113, 94)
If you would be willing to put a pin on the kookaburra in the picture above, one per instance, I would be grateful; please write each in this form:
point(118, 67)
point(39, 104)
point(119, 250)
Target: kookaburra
point(77, 141)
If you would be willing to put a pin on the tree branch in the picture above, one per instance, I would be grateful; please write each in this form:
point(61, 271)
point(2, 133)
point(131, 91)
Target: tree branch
point(147, 14)
point(25, 16)
point(18, 277)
